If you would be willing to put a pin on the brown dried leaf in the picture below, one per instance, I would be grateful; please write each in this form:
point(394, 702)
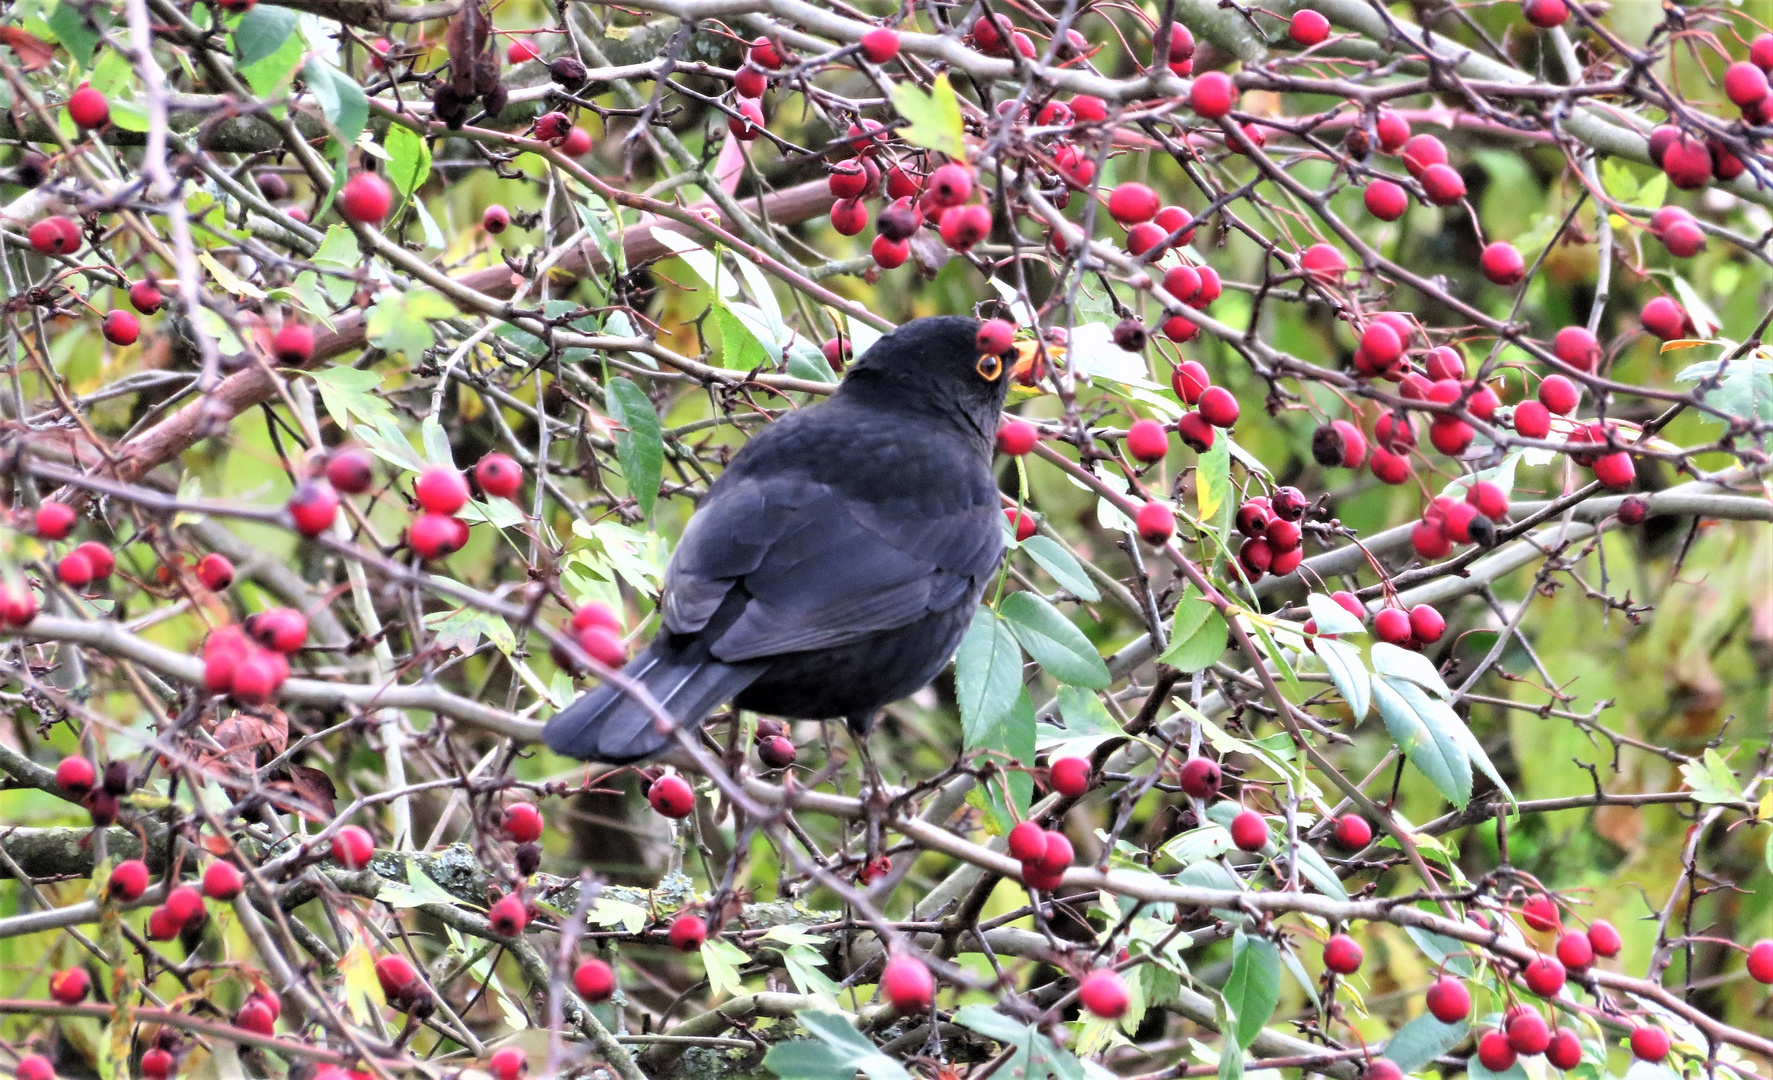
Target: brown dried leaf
point(33, 52)
point(311, 788)
point(263, 737)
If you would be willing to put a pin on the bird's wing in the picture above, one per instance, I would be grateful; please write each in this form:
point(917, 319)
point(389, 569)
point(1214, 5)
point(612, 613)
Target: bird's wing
point(823, 567)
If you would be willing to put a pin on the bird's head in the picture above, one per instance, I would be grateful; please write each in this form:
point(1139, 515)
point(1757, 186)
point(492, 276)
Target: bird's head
point(936, 364)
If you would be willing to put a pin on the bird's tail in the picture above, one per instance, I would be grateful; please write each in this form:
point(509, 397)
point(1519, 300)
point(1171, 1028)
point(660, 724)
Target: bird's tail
point(608, 724)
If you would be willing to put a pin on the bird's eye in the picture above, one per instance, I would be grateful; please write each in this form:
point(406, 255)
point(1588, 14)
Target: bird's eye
point(989, 367)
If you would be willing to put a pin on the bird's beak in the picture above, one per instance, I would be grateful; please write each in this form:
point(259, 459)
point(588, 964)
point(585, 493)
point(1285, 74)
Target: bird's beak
point(1029, 369)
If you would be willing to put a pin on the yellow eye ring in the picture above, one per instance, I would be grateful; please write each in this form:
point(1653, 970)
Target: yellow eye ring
point(989, 367)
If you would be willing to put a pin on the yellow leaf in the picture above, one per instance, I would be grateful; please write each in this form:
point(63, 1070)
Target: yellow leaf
point(227, 279)
point(363, 991)
point(935, 117)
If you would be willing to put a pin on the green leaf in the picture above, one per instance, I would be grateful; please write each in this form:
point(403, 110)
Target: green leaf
point(1711, 780)
point(1062, 566)
point(935, 117)
point(338, 247)
point(340, 98)
point(987, 677)
point(805, 1059)
point(348, 391)
point(740, 348)
point(836, 1031)
point(1343, 662)
point(1055, 643)
point(1705, 320)
point(1395, 662)
point(462, 629)
point(1420, 725)
point(1333, 618)
point(1746, 390)
point(268, 77)
point(1087, 724)
point(261, 32)
point(400, 322)
point(1198, 634)
point(1474, 1070)
point(69, 21)
point(640, 445)
point(409, 157)
point(1315, 870)
point(1442, 950)
point(1212, 480)
point(723, 959)
point(1253, 990)
point(1423, 1039)
point(1231, 1063)
point(128, 115)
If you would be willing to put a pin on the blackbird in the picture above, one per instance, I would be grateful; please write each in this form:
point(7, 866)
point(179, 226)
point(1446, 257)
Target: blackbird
point(836, 563)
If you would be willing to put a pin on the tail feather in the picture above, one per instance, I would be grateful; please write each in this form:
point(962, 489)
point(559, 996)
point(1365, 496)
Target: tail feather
point(608, 724)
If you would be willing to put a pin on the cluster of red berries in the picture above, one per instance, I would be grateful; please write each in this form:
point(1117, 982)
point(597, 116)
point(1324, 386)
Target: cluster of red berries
point(100, 793)
point(1447, 521)
point(597, 630)
point(556, 129)
point(250, 662)
point(258, 1014)
point(774, 748)
point(1424, 157)
point(1044, 855)
point(402, 987)
point(183, 907)
point(1273, 540)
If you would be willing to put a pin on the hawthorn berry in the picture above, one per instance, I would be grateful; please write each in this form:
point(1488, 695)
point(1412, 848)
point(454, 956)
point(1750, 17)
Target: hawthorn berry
point(1392, 625)
point(1449, 999)
point(1649, 1043)
point(1545, 14)
point(215, 572)
point(1528, 1033)
point(498, 475)
point(434, 536)
point(33, 1067)
point(88, 108)
point(687, 933)
point(777, 751)
point(1308, 28)
point(366, 199)
point(1027, 842)
point(508, 916)
point(54, 236)
point(1575, 951)
point(1156, 523)
point(671, 796)
point(521, 823)
point(158, 1064)
point(495, 219)
point(222, 881)
point(1218, 407)
point(1442, 184)
point(1212, 95)
point(129, 880)
point(75, 776)
point(1564, 1051)
point(509, 1063)
point(1343, 955)
point(1022, 524)
point(185, 905)
point(594, 980)
point(353, 847)
point(1249, 831)
point(1017, 437)
point(1502, 263)
point(395, 973)
point(70, 985)
point(1323, 263)
point(1200, 778)
point(1544, 975)
point(1661, 316)
point(1385, 200)
point(1352, 832)
point(1147, 441)
point(351, 470)
point(908, 986)
point(1070, 776)
point(1104, 993)
point(1760, 961)
point(1495, 1052)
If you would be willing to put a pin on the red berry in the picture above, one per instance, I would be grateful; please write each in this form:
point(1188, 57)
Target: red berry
point(1422, 151)
point(293, 344)
point(1577, 347)
point(750, 81)
point(951, 185)
point(1180, 328)
point(1089, 109)
point(1545, 14)
point(1147, 441)
point(162, 926)
point(671, 796)
point(1385, 200)
point(313, 507)
point(1352, 832)
point(222, 881)
point(521, 823)
point(1661, 316)
point(1760, 961)
point(1382, 1069)
point(1132, 203)
point(255, 1017)
point(1181, 49)
point(1070, 776)
point(1426, 624)
point(849, 217)
point(1392, 625)
point(1017, 437)
point(1323, 263)
point(70, 985)
point(1200, 778)
point(1249, 831)
point(1155, 521)
point(521, 51)
point(350, 470)
point(1183, 283)
point(158, 1064)
point(54, 236)
point(1528, 1033)
point(441, 490)
point(1575, 951)
point(908, 985)
point(750, 122)
point(89, 109)
point(1544, 975)
point(1212, 95)
point(1745, 83)
point(120, 327)
point(1343, 955)
point(1190, 380)
point(435, 536)
point(129, 880)
point(1649, 1043)
point(1146, 237)
point(1688, 163)
point(1023, 524)
point(777, 752)
point(995, 337)
point(1218, 407)
point(74, 571)
point(1684, 239)
point(880, 45)
point(75, 776)
point(1502, 264)
point(1449, 1000)
point(508, 916)
point(594, 980)
point(1443, 185)
point(1604, 938)
point(1027, 842)
point(185, 905)
point(1488, 499)
point(1540, 913)
point(395, 973)
point(215, 571)
point(280, 629)
point(495, 219)
point(54, 520)
point(1564, 1051)
point(509, 1063)
point(1532, 420)
point(1308, 28)
point(765, 54)
point(964, 226)
point(498, 475)
point(889, 254)
point(1615, 470)
point(366, 199)
point(353, 847)
point(99, 557)
point(33, 1067)
point(1104, 993)
point(1057, 854)
point(687, 933)
point(1495, 1052)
